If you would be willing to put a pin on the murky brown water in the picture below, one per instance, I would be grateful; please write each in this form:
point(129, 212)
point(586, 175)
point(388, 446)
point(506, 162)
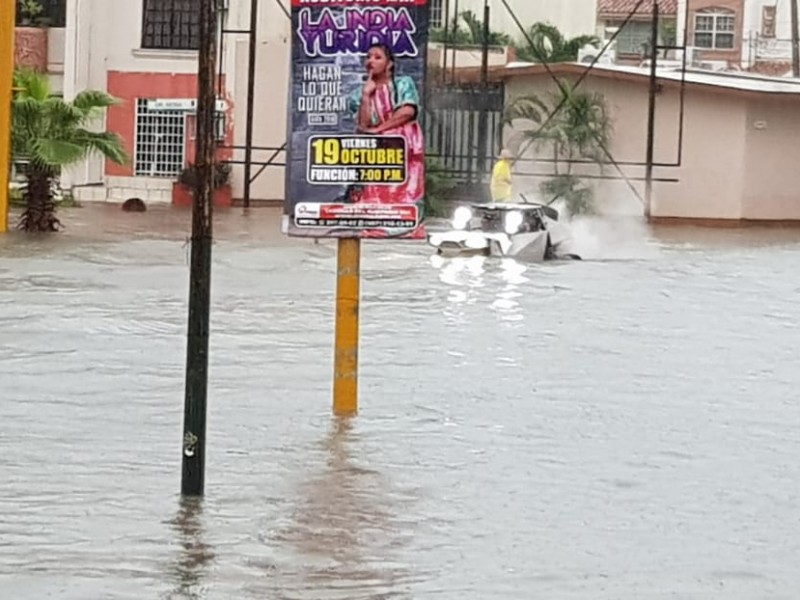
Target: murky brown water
point(623, 427)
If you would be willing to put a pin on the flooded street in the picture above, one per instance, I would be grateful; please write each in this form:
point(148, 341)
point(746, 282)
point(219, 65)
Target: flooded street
point(625, 427)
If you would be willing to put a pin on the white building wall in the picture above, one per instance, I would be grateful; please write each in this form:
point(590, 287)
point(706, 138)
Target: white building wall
point(270, 94)
point(104, 35)
point(572, 17)
point(776, 49)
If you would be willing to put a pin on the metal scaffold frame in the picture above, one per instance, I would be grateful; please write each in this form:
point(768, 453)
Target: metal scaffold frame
point(655, 47)
point(248, 147)
point(649, 163)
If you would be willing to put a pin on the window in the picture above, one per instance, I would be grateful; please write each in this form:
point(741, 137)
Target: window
point(160, 141)
point(219, 126)
point(171, 25)
point(52, 13)
point(634, 38)
point(715, 29)
point(435, 16)
point(768, 21)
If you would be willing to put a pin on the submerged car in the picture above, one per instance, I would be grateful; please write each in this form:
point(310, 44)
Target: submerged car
point(526, 231)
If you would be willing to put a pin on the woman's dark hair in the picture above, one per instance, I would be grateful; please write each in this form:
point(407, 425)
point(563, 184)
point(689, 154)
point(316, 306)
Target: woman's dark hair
point(391, 58)
point(387, 51)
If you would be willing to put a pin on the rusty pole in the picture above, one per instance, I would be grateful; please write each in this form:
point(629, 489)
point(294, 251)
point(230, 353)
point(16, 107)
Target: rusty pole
point(194, 425)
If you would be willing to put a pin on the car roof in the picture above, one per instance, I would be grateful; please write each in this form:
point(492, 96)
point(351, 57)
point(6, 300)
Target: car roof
point(501, 206)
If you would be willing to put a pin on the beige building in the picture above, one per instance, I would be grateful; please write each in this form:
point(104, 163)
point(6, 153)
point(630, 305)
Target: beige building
point(740, 147)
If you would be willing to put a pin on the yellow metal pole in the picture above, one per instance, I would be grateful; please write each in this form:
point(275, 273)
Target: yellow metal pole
point(345, 371)
point(7, 19)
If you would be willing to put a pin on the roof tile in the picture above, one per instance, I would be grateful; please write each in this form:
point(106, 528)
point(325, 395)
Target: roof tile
point(625, 7)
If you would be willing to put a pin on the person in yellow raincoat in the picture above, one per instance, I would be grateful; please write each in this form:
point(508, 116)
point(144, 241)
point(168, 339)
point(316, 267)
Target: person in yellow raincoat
point(501, 177)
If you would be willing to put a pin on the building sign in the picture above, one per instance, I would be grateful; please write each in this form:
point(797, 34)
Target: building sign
point(356, 156)
point(188, 105)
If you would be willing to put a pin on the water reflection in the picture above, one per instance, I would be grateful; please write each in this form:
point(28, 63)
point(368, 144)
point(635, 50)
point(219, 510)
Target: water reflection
point(467, 277)
point(506, 302)
point(190, 568)
point(344, 530)
point(460, 271)
point(463, 277)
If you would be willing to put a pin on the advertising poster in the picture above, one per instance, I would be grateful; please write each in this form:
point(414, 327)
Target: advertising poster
point(356, 160)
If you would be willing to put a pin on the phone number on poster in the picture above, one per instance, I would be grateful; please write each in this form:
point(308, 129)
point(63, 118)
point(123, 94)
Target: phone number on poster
point(368, 159)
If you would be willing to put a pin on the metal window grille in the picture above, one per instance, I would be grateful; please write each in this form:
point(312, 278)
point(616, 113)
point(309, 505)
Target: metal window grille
point(220, 123)
point(171, 25)
point(634, 37)
point(160, 141)
point(436, 20)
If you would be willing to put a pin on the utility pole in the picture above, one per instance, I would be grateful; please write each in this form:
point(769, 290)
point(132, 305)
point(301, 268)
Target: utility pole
point(651, 114)
point(483, 124)
point(251, 93)
point(446, 45)
point(7, 21)
point(795, 40)
point(456, 17)
point(194, 412)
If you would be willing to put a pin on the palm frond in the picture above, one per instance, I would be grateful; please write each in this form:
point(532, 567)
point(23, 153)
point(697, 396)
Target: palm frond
point(474, 26)
point(90, 101)
point(32, 84)
point(110, 145)
point(56, 153)
point(60, 115)
point(528, 108)
point(51, 131)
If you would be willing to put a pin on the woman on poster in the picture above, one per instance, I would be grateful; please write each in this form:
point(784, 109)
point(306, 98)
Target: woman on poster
point(389, 105)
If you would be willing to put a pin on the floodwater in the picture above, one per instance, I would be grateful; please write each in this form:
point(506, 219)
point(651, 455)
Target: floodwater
point(625, 427)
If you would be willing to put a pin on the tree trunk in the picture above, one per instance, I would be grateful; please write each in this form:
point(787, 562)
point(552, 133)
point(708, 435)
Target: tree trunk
point(40, 209)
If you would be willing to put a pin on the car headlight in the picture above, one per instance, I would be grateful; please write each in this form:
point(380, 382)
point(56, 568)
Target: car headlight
point(513, 222)
point(461, 217)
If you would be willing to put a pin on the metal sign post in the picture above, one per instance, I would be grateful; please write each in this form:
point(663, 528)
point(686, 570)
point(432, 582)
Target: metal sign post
point(356, 159)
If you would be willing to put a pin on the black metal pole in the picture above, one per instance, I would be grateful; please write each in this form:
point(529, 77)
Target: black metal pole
point(455, 42)
point(483, 125)
point(221, 19)
point(194, 411)
point(684, 60)
point(443, 76)
point(651, 114)
point(251, 91)
point(795, 39)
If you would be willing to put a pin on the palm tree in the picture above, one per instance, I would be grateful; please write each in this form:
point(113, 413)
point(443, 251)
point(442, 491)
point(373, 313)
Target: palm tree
point(48, 133)
point(550, 45)
point(578, 132)
point(471, 35)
